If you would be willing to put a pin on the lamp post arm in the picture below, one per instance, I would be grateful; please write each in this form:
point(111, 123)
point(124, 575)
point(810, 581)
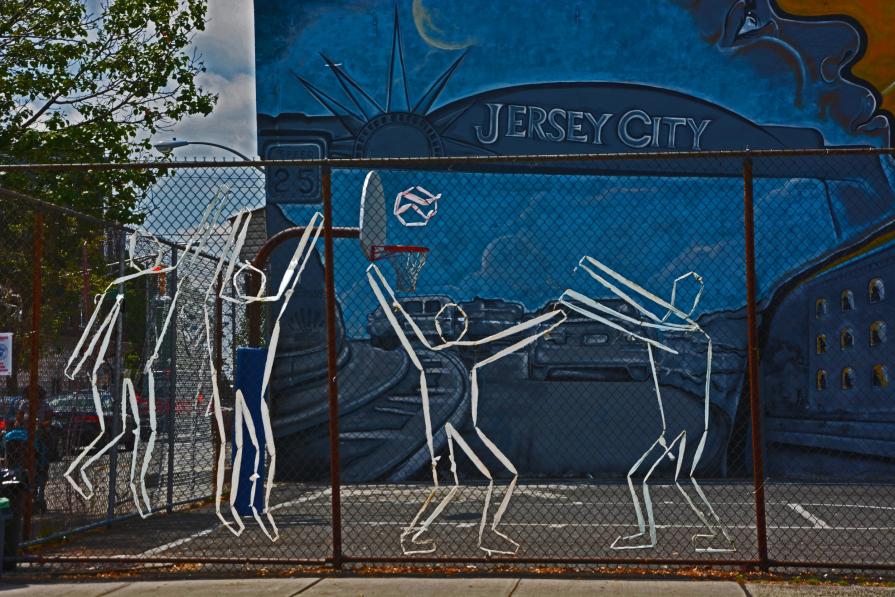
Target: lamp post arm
point(219, 146)
point(169, 146)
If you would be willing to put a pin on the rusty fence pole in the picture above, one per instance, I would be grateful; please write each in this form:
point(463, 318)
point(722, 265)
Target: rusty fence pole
point(172, 386)
point(117, 380)
point(331, 354)
point(217, 355)
point(219, 327)
point(33, 369)
point(752, 367)
point(85, 284)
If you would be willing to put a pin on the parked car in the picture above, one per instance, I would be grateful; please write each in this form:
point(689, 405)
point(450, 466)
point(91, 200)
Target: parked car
point(79, 422)
point(585, 350)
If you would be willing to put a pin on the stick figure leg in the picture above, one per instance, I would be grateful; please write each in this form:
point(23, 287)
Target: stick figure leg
point(704, 542)
point(452, 435)
point(647, 498)
point(270, 447)
point(623, 541)
point(128, 398)
point(241, 411)
point(506, 497)
point(411, 531)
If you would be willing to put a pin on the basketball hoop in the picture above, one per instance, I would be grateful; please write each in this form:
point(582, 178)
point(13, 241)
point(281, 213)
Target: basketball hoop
point(407, 261)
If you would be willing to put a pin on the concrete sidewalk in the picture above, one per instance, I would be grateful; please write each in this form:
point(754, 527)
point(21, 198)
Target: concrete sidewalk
point(436, 587)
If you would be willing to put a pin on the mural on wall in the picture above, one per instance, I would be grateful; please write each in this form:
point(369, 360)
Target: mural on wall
point(435, 77)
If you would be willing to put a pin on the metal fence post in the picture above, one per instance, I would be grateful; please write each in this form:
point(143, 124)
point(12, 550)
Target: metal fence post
point(33, 369)
point(752, 364)
point(219, 327)
point(332, 365)
point(85, 284)
point(116, 385)
point(172, 385)
point(217, 355)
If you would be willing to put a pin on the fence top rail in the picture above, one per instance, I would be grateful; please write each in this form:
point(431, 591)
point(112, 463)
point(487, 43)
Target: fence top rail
point(410, 162)
point(46, 206)
point(36, 203)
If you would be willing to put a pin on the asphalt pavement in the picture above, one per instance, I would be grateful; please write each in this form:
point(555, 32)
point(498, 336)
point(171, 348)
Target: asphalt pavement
point(819, 523)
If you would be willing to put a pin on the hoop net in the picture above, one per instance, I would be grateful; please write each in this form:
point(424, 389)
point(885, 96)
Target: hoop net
point(407, 262)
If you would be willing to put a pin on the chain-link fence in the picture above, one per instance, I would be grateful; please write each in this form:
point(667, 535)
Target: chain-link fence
point(128, 329)
point(527, 360)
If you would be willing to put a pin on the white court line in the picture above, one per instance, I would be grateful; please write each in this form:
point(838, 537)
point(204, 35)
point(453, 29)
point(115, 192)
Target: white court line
point(817, 522)
point(852, 506)
point(173, 544)
point(162, 548)
point(305, 498)
point(543, 494)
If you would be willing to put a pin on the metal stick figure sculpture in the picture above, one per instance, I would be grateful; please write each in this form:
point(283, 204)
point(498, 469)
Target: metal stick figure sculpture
point(620, 287)
point(543, 324)
point(290, 280)
point(414, 200)
point(98, 346)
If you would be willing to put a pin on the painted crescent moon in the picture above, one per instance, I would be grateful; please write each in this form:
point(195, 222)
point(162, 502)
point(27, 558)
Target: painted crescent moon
point(428, 29)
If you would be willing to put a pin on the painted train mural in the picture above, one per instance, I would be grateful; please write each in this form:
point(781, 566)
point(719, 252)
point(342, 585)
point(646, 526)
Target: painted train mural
point(357, 78)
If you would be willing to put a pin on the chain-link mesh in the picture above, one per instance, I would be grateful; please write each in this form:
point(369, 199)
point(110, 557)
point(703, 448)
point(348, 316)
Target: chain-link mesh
point(578, 333)
point(826, 358)
point(576, 408)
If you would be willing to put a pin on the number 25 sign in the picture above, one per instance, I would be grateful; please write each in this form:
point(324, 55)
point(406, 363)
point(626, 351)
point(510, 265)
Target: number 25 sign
point(294, 184)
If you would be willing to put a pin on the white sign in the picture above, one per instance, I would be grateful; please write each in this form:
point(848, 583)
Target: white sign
point(5, 354)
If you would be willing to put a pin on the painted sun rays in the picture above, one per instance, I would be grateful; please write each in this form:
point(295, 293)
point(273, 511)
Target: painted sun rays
point(359, 108)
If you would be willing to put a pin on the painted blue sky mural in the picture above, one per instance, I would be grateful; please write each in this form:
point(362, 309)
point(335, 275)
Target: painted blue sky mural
point(769, 69)
point(379, 78)
point(676, 75)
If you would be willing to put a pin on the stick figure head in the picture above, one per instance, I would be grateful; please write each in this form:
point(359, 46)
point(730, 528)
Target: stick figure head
point(451, 323)
point(687, 290)
point(144, 252)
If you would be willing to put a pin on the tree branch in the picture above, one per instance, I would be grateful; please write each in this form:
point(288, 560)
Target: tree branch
point(36, 116)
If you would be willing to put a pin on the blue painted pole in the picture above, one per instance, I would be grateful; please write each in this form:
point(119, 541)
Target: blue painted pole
point(249, 374)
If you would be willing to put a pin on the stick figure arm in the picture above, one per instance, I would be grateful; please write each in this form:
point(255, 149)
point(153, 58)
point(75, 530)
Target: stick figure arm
point(196, 243)
point(80, 354)
point(296, 276)
point(89, 328)
point(394, 304)
point(615, 283)
point(77, 352)
point(607, 322)
point(519, 327)
point(239, 229)
point(570, 296)
point(393, 321)
point(296, 264)
point(555, 317)
point(237, 245)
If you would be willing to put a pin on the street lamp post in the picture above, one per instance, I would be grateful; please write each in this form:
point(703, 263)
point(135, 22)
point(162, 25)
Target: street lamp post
point(167, 147)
